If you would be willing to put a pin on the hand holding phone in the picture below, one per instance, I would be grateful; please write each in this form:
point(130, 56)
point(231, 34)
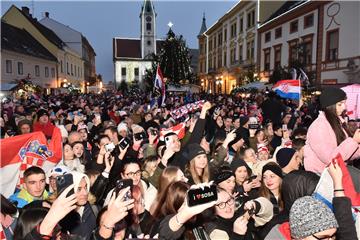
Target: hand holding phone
point(124, 183)
point(63, 182)
point(201, 195)
point(124, 143)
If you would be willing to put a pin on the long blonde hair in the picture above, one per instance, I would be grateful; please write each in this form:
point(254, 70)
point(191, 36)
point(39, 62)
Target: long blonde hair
point(205, 177)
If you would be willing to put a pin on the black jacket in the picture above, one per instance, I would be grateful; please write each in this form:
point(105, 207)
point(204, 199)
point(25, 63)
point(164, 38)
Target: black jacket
point(343, 215)
point(82, 226)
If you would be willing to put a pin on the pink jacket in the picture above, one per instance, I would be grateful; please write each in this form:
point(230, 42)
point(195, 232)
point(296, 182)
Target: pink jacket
point(321, 146)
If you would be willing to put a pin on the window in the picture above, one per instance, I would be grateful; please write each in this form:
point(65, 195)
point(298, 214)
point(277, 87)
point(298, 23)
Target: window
point(67, 68)
point(268, 36)
point(251, 19)
point(233, 30)
point(220, 39)
point(232, 56)
point(308, 52)
point(225, 35)
point(20, 68)
point(225, 58)
point(148, 26)
point(219, 60)
point(46, 72)
point(293, 51)
point(241, 25)
point(267, 59)
point(75, 70)
point(8, 66)
point(79, 73)
point(210, 45)
point(214, 41)
point(123, 71)
point(37, 71)
point(136, 72)
point(72, 72)
point(277, 57)
point(240, 53)
point(332, 45)
point(52, 72)
point(309, 20)
point(61, 66)
point(294, 26)
point(250, 50)
point(278, 32)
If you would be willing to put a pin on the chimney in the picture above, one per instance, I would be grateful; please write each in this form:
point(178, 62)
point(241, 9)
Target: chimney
point(26, 11)
point(47, 14)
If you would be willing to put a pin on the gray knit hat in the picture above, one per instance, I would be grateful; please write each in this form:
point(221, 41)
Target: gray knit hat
point(309, 216)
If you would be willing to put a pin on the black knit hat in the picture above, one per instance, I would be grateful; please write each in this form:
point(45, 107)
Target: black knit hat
point(331, 96)
point(223, 174)
point(284, 155)
point(244, 120)
point(236, 163)
point(42, 112)
point(273, 167)
point(193, 150)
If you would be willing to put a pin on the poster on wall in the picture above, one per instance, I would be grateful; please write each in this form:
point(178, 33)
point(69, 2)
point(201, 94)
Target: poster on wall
point(353, 100)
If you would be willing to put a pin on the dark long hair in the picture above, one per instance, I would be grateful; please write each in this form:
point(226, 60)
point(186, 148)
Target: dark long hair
point(28, 220)
point(336, 125)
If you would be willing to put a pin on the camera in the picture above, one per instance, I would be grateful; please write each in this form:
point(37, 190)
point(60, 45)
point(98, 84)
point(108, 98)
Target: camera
point(253, 126)
point(109, 147)
point(64, 181)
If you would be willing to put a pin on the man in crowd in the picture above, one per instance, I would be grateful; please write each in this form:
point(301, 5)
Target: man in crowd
point(32, 189)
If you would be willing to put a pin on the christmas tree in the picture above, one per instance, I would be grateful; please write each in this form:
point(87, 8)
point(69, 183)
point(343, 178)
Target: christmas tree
point(174, 60)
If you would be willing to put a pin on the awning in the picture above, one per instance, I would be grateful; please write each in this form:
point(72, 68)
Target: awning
point(258, 85)
point(7, 86)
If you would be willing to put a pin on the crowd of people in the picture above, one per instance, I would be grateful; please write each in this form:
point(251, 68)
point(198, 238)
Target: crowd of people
point(264, 154)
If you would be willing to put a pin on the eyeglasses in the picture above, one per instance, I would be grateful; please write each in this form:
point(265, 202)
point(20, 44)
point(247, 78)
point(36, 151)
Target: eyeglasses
point(132, 174)
point(229, 202)
point(325, 237)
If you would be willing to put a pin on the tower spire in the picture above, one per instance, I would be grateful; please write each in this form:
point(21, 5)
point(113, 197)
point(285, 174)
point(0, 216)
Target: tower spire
point(203, 26)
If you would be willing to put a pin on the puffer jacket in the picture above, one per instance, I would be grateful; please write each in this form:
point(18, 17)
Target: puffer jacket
point(321, 146)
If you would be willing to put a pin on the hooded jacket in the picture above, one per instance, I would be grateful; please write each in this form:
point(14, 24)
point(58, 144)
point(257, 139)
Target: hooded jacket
point(321, 146)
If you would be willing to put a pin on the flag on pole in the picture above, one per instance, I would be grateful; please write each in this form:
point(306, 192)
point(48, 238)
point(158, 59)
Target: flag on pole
point(159, 84)
point(21, 152)
point(288, 88)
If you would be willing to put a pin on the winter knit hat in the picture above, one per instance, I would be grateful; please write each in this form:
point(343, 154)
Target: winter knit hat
point(284, 155)
point(223, 174)
point(309, 216)
point(193, 150)
point(331, 96)
point(273, 167)
point(236, 163)
point(122, 126)
point(42, 112)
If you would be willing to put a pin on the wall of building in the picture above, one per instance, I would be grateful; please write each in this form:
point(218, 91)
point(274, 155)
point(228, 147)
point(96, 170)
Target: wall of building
point(130, 68)
point(29, 64)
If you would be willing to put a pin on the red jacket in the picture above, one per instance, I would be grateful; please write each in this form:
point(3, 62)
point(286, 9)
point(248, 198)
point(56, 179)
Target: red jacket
point(47, 129)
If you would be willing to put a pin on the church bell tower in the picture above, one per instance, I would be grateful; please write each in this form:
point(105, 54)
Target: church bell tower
point(148, 36)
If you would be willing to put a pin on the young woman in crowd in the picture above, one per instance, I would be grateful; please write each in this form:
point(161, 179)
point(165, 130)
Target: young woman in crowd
point(230, 223)
point(271, 186)
point(329, 135)
point(169, 175)
point(131, 169)
point(70, 161)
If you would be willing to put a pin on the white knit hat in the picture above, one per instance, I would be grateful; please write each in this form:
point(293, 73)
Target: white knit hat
point(122, 126)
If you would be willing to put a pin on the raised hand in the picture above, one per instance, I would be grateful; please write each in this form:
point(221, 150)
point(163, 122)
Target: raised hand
point(59, 209)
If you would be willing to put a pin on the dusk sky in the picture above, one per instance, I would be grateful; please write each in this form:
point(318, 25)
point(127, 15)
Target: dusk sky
point(99, 21)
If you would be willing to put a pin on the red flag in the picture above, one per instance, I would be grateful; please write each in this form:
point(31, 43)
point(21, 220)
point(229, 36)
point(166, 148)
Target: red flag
point(178, 129)
point(21, 152)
